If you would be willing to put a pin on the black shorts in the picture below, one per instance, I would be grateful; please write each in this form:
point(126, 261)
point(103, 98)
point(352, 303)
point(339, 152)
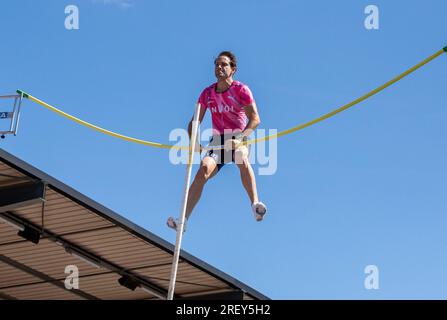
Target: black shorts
point(221, 156)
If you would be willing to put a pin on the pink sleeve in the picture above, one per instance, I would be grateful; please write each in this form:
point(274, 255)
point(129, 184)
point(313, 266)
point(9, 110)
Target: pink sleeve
point(245, 96)
point(202, 99)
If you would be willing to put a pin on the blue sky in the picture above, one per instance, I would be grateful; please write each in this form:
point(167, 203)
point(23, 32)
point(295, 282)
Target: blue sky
point(366, 187)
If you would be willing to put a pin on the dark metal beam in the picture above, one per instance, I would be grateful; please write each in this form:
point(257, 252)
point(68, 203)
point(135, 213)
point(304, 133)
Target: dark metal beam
point(17, 196)
point(62, 235)
point(44, 277)
point(229, 295)
point(5, 296)
point(15, 178)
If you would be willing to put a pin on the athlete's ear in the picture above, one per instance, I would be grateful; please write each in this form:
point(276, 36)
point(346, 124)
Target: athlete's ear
point(234, 70)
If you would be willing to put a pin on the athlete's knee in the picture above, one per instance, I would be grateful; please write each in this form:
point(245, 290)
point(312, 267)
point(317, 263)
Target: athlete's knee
point(205, 172)
point(241, 156)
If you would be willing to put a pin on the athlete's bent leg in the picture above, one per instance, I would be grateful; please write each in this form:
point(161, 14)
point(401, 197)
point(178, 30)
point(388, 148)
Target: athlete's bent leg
point(249, 182)
point(246, 171)
point(208, 168)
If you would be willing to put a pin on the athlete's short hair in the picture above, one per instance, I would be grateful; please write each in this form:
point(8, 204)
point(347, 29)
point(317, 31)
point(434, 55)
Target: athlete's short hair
point(230, 55)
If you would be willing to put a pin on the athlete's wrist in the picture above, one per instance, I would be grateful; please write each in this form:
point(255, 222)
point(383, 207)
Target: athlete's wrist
point(240, 136)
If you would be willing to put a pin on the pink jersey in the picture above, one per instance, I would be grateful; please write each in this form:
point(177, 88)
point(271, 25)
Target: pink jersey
point(227, 108)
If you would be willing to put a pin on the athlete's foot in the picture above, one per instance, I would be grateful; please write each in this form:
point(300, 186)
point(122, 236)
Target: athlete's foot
point(259, 210)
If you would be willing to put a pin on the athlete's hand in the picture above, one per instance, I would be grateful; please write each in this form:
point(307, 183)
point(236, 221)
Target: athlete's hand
point(231, 144)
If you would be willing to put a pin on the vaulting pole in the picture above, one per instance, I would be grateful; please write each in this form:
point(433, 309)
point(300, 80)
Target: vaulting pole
point(181, 223)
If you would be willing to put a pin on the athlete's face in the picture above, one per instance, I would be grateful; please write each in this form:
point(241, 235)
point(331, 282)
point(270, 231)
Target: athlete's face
point(223, 69)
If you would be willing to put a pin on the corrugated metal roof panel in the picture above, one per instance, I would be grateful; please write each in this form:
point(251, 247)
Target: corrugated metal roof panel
point(29, 271)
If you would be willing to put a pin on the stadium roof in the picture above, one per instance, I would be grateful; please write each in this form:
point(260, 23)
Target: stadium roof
point(46, 226)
